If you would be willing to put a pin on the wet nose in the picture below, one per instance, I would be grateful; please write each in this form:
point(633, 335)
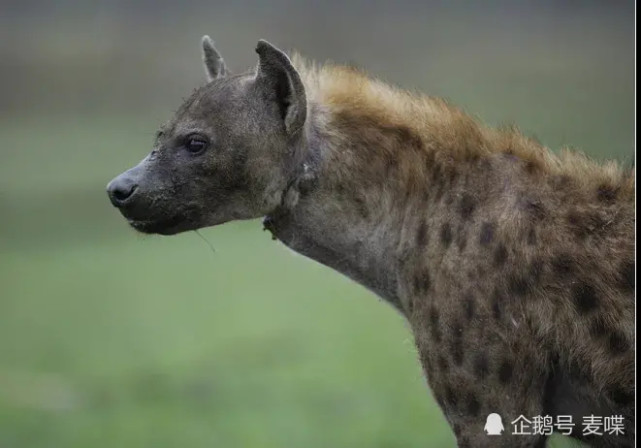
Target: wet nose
point(121, 189)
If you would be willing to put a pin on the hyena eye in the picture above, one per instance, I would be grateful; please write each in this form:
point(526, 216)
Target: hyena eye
point(196, 144)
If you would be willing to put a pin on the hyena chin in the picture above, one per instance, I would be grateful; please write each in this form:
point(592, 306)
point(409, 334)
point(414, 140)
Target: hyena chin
point(513, 266)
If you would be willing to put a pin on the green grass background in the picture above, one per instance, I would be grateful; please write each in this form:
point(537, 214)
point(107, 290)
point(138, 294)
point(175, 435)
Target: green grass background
point(111, 339)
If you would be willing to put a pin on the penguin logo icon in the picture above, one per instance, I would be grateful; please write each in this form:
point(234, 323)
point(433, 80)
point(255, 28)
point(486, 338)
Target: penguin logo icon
point(494, 425)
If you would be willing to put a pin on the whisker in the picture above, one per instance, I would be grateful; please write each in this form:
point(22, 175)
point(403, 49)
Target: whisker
point(206, 241)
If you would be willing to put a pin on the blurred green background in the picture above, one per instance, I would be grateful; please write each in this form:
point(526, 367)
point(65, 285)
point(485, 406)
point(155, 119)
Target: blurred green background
point(110, 339)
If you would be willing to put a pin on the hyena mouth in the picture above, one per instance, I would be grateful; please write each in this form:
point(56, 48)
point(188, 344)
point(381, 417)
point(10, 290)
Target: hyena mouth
point(176, 224)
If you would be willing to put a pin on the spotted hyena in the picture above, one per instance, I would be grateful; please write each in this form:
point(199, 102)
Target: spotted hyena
point(513, 266)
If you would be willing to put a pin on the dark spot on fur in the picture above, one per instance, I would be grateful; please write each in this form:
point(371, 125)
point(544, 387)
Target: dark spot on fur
point(481, 366)
point(449, 199)
point(463, 442)
point(434, 316)
point(467, 206)
point(437, 181)
point(434, 324)
point(531, 166)
point(534, 208)
point(606, 193)
point(574, 219)
point(496, 310)
point(563, 265)
point(469, 306)
point(443, 364)
point(505, 372)
point(409, 196)
point(427, 282)
point(305, 186)
point(536, 271)
point(462, 240)
point(487, 233)
point(457, 344)
point(473, 157)
point(446, 234)
point(450, 397)
point(404, 136)
point(627, 276)
point(391, 165)
point(422, 282)
point(614, 340)
point(617, 343)
point(584, 225)
point(531, 236)
point(421, 235)
point(410, 306)
point(428, 157)
point(584, 296)
point(417, 284)
point(621, 397)
point(451, 173)
point(361, 206)
point(518, 285)
point(500, 255)
point(497, 298)
point(485, 164)
point(457, 351)
point(473, 405)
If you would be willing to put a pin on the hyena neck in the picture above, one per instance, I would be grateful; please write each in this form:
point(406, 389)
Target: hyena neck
point(357, 197)
point(326, 216)
point(391, 182)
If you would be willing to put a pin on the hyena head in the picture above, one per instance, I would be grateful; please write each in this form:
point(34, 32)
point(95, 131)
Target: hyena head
point(228, 153)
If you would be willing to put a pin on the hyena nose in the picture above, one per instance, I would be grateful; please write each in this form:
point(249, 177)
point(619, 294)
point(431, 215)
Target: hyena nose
point(121, 189)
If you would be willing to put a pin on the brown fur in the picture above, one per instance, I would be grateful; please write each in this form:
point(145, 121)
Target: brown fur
point(346, 91)
point(512, 260)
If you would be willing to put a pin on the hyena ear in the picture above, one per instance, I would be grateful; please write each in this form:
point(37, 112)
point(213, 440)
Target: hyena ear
point(214, 64)
point(281, 83)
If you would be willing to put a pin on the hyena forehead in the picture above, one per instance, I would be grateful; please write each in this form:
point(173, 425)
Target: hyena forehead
point(219, 100)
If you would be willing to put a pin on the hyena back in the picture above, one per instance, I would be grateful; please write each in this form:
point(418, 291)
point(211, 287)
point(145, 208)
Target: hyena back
point(513, 266)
